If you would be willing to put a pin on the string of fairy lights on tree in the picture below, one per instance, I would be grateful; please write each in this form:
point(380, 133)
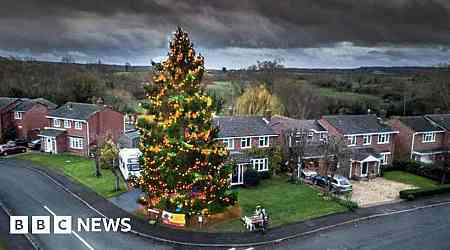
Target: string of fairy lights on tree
point(183, 167)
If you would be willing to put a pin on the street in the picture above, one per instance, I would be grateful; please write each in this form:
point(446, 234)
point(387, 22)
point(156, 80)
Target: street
point(26, 192)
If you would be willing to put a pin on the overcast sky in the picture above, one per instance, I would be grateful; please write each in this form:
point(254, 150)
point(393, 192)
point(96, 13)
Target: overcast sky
point(233, 34)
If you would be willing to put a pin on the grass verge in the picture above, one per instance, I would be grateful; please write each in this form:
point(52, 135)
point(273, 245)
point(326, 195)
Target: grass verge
point(411, 179)
point(78, 168)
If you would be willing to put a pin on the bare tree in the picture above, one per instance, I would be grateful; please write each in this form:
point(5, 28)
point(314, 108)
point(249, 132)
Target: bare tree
point(296, 141)
point(336, 154)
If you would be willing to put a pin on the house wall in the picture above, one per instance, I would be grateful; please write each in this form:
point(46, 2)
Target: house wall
point(402, 140)
point(32, 121)
point(71, 132)
point(103, 123)
point(6, 120)
point(254, 141)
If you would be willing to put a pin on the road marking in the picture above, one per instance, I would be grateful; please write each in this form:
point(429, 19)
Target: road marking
point(73, 232)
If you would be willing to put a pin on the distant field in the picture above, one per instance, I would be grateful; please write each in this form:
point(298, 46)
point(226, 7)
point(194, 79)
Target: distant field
point(329, 92)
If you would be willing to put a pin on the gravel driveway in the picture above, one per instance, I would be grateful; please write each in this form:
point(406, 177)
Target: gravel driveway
point(376, 191)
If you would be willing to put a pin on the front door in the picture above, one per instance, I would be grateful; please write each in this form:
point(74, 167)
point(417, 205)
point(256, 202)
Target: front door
point(50, 145)
point(364, 169)
point(237, 177)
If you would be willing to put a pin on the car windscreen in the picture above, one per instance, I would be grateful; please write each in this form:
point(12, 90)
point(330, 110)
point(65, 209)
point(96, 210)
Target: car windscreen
point(344, 182)
point(134, 167)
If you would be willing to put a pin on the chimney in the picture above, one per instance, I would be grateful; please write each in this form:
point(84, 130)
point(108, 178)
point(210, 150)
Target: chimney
point(99, 101)
point(69, 105)
point(383, 114)
point(268, 115)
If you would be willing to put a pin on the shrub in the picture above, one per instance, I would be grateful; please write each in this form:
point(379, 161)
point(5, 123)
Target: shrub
point(251, 178)
point(411, 194)
point(264, 175)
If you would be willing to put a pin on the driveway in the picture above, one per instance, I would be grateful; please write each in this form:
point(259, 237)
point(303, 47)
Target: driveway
point(128, 200)
point(377, 191)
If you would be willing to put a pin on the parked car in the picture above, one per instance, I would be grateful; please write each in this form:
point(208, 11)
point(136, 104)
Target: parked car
point(340, 184)
point(20, 142)
point(336, 183)
point(320, 180)
point(11, 148)
point(307, 174)
point(35, 144)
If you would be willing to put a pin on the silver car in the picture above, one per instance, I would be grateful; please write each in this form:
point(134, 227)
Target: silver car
point(340, 184)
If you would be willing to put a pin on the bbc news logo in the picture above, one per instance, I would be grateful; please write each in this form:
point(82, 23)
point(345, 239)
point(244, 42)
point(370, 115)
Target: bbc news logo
point(63, 225)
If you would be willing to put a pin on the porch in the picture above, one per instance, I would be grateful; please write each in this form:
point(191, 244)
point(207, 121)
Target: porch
point(428, 156)
point(364, 163)
point(53, 141)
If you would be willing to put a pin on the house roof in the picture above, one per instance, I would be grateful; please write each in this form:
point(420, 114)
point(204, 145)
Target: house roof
point(26, 104)
point(240, 158)
point(358, 124)
point(5, 101)
point(419, 124)
point(279, 123)
point(45, 102)
point(313, 150)
point(51, 132)
point(239, 126)
point(431, 151)
point(361, 153)
point(75, 110)
point(442, 120)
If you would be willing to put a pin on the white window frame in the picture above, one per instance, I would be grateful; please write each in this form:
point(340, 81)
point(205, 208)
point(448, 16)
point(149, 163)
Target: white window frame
point(367, 140)
point(265, 142)
point(323, 136)
point(384, 138)
point(56, 123)
point(352, 140)
point(246, 140)
point(76, 143)
point(429, 137)
point(67, 123)
point(229, 143)
point(18, 115)
point(384, 158)
point(78, 125)
point(261, 165)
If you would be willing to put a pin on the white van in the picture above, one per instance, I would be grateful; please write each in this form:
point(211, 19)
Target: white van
point(129, 162)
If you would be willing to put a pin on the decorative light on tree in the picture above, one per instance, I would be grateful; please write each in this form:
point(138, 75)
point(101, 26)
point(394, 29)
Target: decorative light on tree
point(183, 167)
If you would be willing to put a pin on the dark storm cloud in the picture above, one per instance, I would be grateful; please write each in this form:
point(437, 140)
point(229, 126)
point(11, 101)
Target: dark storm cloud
point(120, 28)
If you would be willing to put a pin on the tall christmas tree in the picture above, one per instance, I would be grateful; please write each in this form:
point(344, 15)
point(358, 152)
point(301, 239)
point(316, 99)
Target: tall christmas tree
point(183, 167)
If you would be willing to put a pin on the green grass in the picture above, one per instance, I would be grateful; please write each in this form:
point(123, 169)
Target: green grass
point(285, 203)
point(78, 168)
point(2, 244)
point(411, 179)
point(330, 92)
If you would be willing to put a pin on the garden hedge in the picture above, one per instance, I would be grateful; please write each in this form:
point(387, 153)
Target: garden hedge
point(411, 194)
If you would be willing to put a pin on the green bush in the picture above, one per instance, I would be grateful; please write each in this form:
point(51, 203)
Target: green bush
point(411, 194)
point(251, 178)
point(264, 175)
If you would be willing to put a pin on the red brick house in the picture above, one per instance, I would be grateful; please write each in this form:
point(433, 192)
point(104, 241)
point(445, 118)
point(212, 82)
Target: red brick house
point(420, 138)
point(371, 141)
point(240, 133)
point(77, 127)
point(30, 117)
point(6, 117)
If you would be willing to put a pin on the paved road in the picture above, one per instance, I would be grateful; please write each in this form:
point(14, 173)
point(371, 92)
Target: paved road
point(26, 192)
point(421, 229)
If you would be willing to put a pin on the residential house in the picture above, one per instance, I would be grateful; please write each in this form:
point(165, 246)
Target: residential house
point(420, 138)
point(30, 117)
point(6, 117)
point(78, 127)
point(371, 141)
point(129, 139)
point(290, 129)
point(241, 133)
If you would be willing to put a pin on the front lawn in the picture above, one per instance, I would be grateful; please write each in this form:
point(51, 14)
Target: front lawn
point(79, 168)
point(2, 244)
point(411, 179)
point(285, 203)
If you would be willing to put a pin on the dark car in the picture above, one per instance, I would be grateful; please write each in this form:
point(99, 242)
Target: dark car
point(35, 144)
point(10, 148)
point(20, 142)
point(320, 180)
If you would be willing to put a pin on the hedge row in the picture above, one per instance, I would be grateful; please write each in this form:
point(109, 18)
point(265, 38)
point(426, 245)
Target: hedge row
point(411, 194)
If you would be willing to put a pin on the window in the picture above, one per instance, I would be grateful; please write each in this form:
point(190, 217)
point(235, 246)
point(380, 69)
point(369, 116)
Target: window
point(76, 143)
point(310, 135)
point(429, 137)
point(351, 140)
point(263, 141)
point(384, 158)
point(78, 125)
point(246, 142)
point(383, 138)
point(18, 115)
point(367, 139)
point(67, 123)
point(229, 143)
point(260, 164)
point(56, 123)
point(323, 136)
